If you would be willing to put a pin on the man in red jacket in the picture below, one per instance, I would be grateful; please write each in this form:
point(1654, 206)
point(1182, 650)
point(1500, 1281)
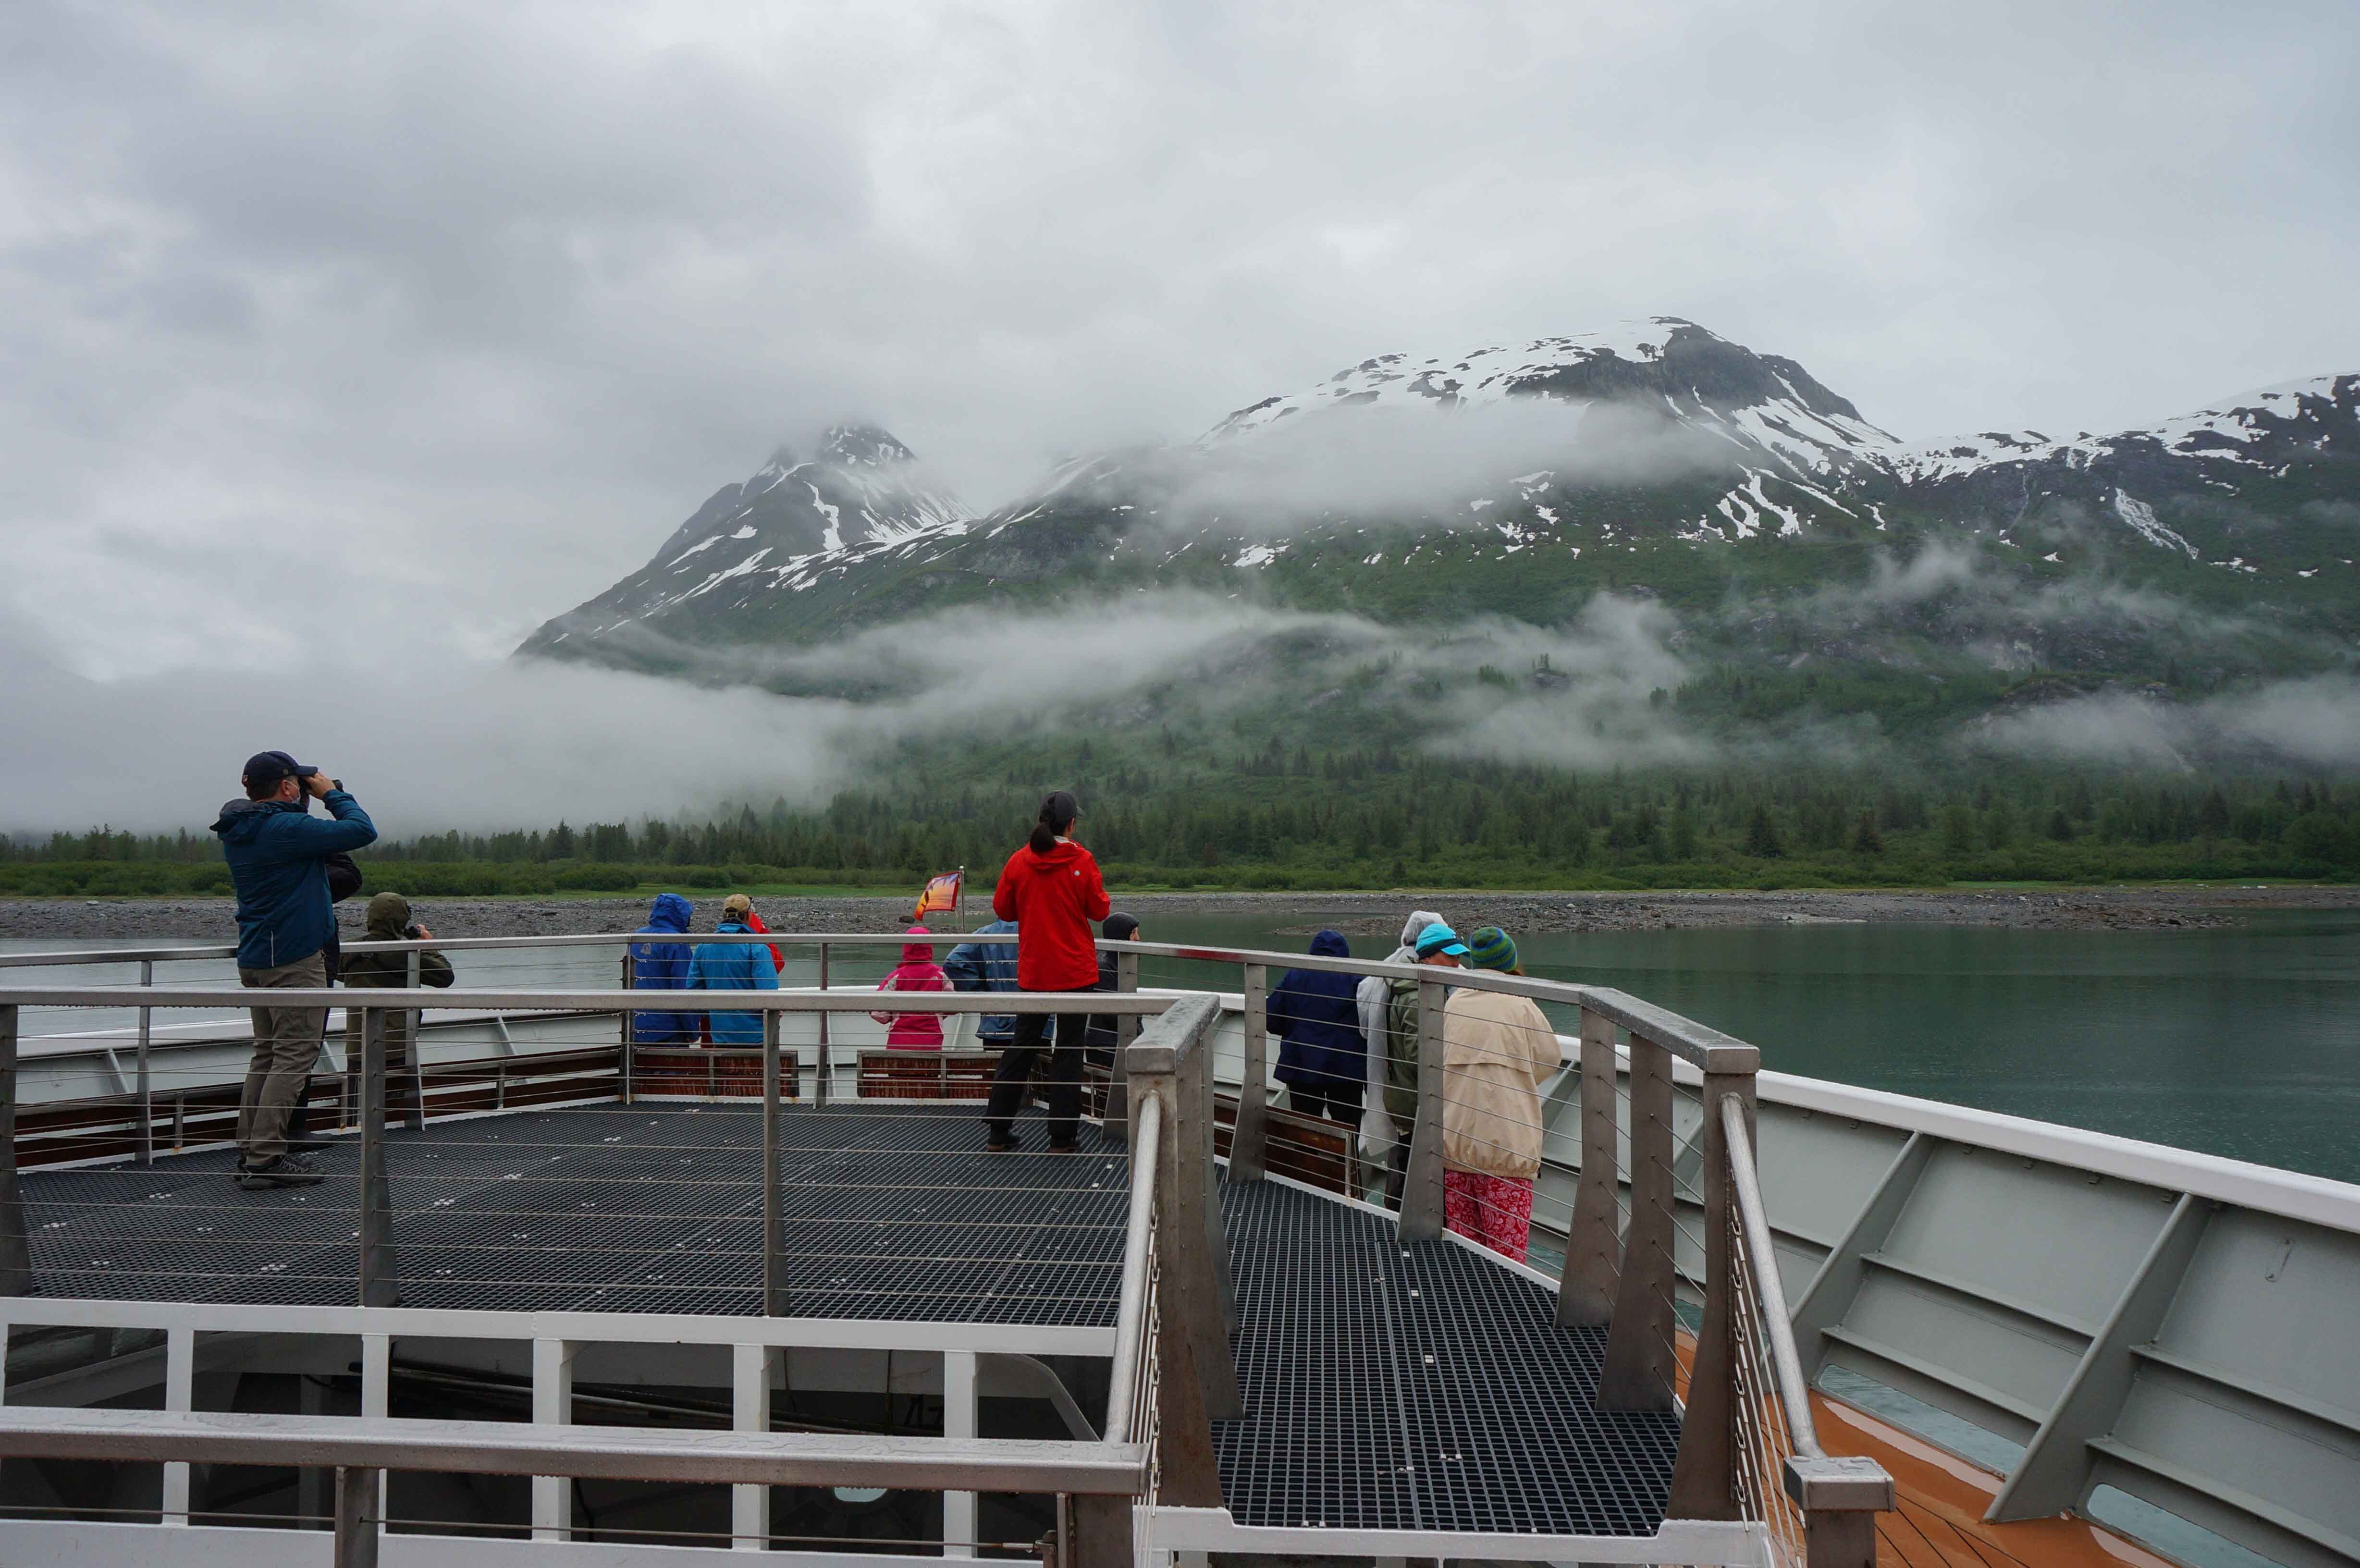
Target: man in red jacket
point(1050, 887)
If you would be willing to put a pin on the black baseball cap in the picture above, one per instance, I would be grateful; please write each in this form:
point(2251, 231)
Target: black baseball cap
point(264, 769)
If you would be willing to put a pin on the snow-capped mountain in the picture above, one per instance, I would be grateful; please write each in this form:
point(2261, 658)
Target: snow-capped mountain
point(1702, 380)
point(1519, 480)
point(794, 520)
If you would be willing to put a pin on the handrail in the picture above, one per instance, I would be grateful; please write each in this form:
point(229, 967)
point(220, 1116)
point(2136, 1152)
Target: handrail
point(1701, 1044)
point(1827, 1515)
point(1129, 1329)
point(1186, 1021)
point(116, 955)
point(428, 999)
point(623, 1454)
point(1794, 1393)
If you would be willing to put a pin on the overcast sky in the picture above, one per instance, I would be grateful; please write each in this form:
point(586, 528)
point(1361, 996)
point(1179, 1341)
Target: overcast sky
point(387, 331)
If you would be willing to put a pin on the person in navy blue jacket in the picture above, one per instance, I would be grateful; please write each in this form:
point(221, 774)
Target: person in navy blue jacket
point(278, 855)
point(987, 966)
point(1322, 1055)
point(664, 966)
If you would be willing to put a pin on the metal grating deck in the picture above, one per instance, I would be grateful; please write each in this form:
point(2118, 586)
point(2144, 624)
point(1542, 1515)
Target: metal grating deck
point(1387, 1388)
point(892, 1213)
point(1418, 1388)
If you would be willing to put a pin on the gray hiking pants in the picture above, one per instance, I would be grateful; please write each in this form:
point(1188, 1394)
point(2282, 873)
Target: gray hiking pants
point(286, 1046)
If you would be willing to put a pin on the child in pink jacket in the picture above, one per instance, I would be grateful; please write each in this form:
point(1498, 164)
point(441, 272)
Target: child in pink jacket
point(916, 972)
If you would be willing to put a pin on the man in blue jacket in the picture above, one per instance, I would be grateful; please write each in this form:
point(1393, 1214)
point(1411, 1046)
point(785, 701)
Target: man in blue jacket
point(987, 966)
point(664, 966)
point(733, 966)
point(278, 856)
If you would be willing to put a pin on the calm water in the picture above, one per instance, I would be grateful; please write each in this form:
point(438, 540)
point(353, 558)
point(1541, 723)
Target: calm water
point(2243, 1041)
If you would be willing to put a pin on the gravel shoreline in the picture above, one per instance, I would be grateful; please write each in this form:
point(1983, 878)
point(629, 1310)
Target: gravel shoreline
point(2114, 908)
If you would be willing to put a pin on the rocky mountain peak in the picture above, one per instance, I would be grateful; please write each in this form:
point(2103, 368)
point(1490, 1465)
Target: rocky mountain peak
point(865, 446)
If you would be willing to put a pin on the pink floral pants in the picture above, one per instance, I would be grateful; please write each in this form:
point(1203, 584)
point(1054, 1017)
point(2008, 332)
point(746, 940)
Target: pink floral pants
point(1491, 1210)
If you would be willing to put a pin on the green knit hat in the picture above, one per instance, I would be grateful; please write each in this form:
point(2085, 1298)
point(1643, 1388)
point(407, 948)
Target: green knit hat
point(1489, 947)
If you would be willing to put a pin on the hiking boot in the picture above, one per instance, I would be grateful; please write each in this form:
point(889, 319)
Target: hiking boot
point(284, 1171)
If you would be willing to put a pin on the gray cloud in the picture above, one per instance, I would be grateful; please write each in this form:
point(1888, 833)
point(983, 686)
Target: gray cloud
point(433, 745)
point(1402, 462)
point(2312, 723)
point(395, 329)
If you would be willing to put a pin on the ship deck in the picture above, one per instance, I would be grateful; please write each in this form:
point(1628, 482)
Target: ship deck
point(1386, 1386)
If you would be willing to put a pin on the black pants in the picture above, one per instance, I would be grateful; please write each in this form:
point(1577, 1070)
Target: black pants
point(1062, 1082)
point(1338, 1099)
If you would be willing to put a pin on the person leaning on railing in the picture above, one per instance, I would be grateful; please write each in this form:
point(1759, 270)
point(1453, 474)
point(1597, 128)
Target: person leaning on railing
point(916, 972)
point(1497, 1051)
point(663, 965)
point(1381, 1150)
point(1437, 947)
point(987, 966)
point(1322, 1056)
point(1101, 1036)
point(733, 966)
point(388, 920)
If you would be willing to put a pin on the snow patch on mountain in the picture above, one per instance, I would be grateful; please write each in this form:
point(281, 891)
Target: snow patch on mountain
point(2141, 516)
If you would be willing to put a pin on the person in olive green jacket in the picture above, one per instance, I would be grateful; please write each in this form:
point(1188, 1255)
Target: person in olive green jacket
point(388, 920)
point(1438, 946)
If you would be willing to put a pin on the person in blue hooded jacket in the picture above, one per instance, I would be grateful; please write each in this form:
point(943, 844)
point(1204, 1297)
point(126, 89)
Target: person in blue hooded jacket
point(987, 966)
point(664, 966)
point(1322, 1054)
point(733, 966)
point(278, 855)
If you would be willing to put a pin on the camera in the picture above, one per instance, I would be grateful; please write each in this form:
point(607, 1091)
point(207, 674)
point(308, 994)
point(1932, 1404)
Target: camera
point(413, 932)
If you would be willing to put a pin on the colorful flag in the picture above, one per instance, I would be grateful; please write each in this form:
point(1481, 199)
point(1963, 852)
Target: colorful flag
point(942, 894)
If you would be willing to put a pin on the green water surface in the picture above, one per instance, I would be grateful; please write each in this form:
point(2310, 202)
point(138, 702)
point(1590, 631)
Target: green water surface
point(2243, 1042)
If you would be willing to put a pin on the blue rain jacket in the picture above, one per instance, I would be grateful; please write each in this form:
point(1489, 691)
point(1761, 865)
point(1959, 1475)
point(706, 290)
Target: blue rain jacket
point(1318, 1021)
point(277, 856)
point(664, 966)
point(733, 966)
point(987, 966)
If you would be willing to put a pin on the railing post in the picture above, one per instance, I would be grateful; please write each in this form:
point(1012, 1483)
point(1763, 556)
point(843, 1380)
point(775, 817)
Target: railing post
point(1116, 1125)
point(413, 1053)
point(552, 1405)
point(1594, 1248)
point(1249, 1140)
point(1637, 1374)
point(1199, 1381)
point(380, 1277)
point(821, 1070)
point(774, 1197)
point(15, 1255)
point(629, 1035)
point(180, 1395)
point(1422, 1197)
point(959, 1412)
point(1841, 1497)
point(147, 1098)
point(1199, 1084)
point(1704, 1477)
point(356, 1517)
point(752, 1369)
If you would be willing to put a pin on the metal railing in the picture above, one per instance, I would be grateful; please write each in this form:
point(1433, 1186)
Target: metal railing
point(1820, 1510)
point(1173, 1374)
point(1156, 1440)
